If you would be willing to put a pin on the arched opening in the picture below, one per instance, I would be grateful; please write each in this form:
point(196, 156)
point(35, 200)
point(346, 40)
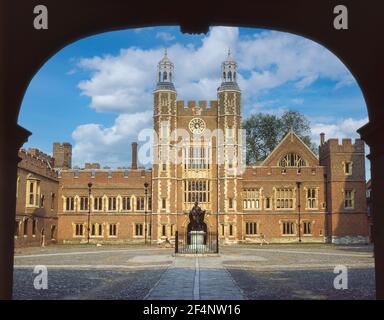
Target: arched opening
point(267, 18)
point(95, 83)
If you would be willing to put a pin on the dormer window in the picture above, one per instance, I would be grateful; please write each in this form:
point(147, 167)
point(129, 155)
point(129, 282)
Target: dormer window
point(292, 160)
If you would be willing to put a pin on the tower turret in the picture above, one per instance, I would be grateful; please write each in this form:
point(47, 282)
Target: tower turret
point(165, 74)
point(229, 74)
point(230, 150)
point(164, 123)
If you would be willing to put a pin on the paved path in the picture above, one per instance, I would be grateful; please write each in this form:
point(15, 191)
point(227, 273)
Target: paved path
point(191, 278)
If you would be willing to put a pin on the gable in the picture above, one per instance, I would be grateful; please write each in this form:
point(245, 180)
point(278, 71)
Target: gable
point(291, 143)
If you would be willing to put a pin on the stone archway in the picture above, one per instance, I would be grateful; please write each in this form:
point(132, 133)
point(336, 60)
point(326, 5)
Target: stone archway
point(24, 50)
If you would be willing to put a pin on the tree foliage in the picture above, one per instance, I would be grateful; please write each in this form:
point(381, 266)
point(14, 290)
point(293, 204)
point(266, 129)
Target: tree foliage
point(265, 131)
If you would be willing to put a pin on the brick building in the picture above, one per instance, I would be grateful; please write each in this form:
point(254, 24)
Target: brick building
point(198, 156)
point(36, 199)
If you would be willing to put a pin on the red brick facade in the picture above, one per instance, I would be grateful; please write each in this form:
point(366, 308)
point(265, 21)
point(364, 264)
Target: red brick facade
point(36, 200)
point(292, 196)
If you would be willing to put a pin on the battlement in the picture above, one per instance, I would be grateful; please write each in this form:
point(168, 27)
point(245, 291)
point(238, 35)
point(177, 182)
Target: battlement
point(62, 144)
point(38, 154)
point(333, 145)
point(190, 106)
point(128, 176)
point(62, 154)
point(93, 165)
point(36, 161)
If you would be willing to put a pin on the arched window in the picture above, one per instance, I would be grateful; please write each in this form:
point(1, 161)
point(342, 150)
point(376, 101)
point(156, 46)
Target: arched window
point(224, 76)
point(159, 76)
point(234, 76)
point(170, 76)
point(164, 76)
point(230, 76)
point(292, 160)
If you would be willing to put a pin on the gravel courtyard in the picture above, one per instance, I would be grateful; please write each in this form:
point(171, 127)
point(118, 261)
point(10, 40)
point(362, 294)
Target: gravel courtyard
point(239, 272)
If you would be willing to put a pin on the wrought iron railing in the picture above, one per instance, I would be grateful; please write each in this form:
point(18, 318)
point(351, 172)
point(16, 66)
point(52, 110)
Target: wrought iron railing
point(187, 244)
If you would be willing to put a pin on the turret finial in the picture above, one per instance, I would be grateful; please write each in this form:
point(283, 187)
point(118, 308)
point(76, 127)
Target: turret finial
point(229, 73)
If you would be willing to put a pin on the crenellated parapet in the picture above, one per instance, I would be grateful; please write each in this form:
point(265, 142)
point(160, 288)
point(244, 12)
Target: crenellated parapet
point(346, 146)
point(38, 162)
point(134, 178)
point(201, 107)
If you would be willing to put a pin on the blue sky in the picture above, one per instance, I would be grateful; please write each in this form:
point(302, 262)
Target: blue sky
point(97, 93)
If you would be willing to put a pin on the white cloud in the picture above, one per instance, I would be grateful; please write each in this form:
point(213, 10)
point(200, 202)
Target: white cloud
point(123, 83)
point(109, 146)
point(298, 101)
point(340, 128)
point(165, 36)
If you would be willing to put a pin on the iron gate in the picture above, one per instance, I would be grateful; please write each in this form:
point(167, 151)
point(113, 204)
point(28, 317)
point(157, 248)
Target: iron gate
point(185, 244)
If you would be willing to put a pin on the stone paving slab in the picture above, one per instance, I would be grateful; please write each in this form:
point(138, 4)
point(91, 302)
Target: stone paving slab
point(268, 272)
point(194, 278)
point(176, 283)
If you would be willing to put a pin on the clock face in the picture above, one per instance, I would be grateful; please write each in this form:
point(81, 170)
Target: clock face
point(197, 125)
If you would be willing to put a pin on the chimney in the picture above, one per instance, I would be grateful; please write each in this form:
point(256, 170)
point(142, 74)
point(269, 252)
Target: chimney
point(134, 155)
point(322, 138)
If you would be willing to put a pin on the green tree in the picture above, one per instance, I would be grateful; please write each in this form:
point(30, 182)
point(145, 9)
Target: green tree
point(265, 131)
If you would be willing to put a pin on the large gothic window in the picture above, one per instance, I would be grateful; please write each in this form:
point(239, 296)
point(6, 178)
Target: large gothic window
point(196, 190)
point(197, 158)
point(292, 160)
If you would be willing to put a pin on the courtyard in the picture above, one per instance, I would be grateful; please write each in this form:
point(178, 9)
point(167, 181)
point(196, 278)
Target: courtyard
point(239, 272)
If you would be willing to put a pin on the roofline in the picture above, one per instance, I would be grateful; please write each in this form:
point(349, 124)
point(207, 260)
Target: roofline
point(281, 142)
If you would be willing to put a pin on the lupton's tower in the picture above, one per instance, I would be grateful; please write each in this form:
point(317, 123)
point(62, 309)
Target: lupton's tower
point(229, 121)
point(164, 170)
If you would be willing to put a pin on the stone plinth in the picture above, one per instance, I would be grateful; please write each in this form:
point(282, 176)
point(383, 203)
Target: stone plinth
point(197, 241)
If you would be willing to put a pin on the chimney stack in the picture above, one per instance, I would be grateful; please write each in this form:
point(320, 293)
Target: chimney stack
point(134, 155)
point(322, 138)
